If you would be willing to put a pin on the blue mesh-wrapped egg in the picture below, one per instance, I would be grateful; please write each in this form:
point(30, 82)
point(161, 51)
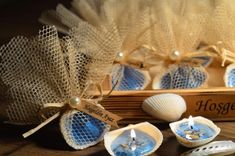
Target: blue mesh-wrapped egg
point(229, 76)
point(129, 78)
point(81, 130)
point(181, 76)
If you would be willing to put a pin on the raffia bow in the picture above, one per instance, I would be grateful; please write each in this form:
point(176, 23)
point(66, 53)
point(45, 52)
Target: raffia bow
point(88, 106)
point(224, 53)
point(152, 53)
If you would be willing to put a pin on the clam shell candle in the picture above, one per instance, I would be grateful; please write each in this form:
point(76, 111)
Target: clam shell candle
point(133, 140)
point(194, 132)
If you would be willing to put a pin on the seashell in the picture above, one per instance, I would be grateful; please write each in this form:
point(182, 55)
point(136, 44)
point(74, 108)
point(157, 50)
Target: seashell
point(129, 78)
point(195, 143)
point(229, 76)
point(144, 127)
point(168, 107)
point(213, 148)
point(180, 77)
point(81, 130)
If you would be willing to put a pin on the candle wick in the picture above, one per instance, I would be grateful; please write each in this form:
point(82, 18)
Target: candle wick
point(191, 127)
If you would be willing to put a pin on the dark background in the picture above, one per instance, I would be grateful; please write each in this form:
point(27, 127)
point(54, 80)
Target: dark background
point(20, 17)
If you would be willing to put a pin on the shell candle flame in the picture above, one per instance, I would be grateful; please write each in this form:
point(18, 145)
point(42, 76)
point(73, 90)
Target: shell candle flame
point(133, 141)
point(190, 122)
point(133, 135)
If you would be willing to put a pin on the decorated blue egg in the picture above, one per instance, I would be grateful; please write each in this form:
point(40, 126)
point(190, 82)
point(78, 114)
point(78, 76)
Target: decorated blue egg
point(181, 76)
point(229, 76)
point(81, 130)
point(129, 78)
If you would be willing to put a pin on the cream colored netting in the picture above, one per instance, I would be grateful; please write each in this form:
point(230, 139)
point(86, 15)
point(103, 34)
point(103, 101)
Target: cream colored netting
point(160, 27)
point(224, 21)
point(179, 28)
point(46, 69)
point(131, 20)
point(130, 17)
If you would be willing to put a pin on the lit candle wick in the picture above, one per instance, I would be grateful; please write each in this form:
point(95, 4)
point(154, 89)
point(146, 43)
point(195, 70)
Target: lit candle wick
point(191, 133)
point(190, 122)
point(191, 127)
point(133, 140)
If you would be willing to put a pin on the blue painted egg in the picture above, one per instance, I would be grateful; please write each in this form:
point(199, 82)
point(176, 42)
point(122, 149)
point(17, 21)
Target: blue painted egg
point(129, 78)
point(81, 130)
point(181, 77)
point(229, 76)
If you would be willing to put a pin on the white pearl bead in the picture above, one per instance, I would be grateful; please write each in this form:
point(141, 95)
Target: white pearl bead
point(120, 56)
point(74, 101)
point(175, 55)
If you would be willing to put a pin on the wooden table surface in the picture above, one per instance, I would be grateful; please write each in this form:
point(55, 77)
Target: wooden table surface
point(49, 142)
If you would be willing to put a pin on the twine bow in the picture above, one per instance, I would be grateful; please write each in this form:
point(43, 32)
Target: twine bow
point(185, 57)
point(225, 54)
point(89, 106)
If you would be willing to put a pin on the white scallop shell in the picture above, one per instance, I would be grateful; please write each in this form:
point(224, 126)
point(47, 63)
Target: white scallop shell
point(168, 107)
point(146, 127)
point(194, 143)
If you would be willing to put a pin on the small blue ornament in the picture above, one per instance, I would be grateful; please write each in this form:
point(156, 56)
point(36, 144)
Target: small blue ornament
point(129, 78)
point(181, 76)
point(81, 130)
point(229, 76)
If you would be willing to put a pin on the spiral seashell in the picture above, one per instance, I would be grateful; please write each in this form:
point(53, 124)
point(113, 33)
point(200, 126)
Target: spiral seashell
point(213, 148)
point(168, 107)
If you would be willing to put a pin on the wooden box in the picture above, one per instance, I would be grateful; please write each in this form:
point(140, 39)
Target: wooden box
point(217, 104)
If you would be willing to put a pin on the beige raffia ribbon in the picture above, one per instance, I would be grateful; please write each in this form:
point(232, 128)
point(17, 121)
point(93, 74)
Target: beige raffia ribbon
point(184, 57)
point(225, 54)
point(88, 106)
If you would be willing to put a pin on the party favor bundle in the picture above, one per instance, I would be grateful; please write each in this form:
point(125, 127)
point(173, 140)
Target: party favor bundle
point(46, 77)
point(159, 41)
point(131, 26)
